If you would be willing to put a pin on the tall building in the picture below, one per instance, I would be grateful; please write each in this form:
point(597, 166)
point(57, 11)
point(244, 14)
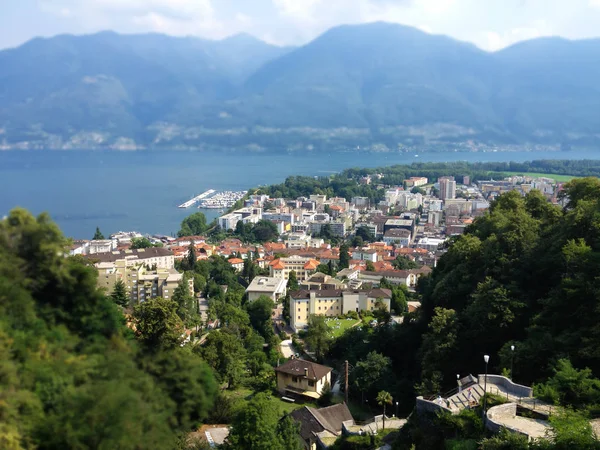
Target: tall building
point(447, 188)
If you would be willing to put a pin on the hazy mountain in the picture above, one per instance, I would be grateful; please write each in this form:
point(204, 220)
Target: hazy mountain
point(377, 84)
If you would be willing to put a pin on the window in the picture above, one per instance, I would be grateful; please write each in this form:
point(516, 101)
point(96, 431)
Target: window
point(319, 308)
point(298, 309)
point(311, 383)
point(298, 317)
point(294, 379)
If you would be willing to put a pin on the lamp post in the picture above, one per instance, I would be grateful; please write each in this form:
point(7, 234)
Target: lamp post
point(458, 382)
point(486, 358)
point(512, 360)
point(396, 409)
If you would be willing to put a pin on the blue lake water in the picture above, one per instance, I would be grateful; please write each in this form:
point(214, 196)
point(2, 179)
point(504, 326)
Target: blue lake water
point(141, 190)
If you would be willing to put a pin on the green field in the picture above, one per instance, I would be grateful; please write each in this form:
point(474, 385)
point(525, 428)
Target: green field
point(337, 326)
point(557, 178)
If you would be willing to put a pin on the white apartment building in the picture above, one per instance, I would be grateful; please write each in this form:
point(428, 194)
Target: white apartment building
point(304, 267)
point(274, 288)
point(159, 256)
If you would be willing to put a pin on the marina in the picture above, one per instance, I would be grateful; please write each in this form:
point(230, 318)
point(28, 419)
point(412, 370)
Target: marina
point(197, 199)
point(222, 200)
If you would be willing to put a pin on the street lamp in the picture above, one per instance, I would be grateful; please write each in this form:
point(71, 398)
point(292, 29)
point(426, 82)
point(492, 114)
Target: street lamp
point(396, 409)
point(458, 381)
point(486, 358)
point(512, 360)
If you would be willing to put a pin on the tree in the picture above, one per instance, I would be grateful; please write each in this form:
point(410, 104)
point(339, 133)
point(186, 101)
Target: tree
point(570, 430)
point(265, 231)
point(317, 336)
point(255, 426)
point(370, 267)
point(142, 242)
point(98, 236)
point(365, 234)
point(344, 256)
point(191, 258)
point(372, 374)
point(292, 284)
point(119, 294)
point(383, 399)
point(570, 387)
point(157, 324)
point(260, 312)
point(193, 225)
point(187, 305)
point(403, 263)
point(288, 431)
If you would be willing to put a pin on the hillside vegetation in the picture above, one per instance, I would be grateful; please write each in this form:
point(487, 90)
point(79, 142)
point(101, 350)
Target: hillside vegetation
point(378, 86)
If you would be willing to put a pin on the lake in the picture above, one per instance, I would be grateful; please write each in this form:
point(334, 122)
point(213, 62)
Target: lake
point(125, 191)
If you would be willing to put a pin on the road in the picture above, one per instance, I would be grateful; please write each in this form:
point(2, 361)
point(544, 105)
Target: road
point(286, 348)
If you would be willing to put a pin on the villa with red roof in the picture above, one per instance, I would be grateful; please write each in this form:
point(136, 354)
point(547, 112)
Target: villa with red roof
point(303, 266)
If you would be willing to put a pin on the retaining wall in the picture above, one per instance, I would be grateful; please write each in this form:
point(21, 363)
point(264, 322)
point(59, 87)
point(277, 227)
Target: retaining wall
point(516, 390)
point(428, 407)
point(495, 415)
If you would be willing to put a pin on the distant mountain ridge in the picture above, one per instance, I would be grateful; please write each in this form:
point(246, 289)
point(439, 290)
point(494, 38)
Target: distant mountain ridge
point(377, 86)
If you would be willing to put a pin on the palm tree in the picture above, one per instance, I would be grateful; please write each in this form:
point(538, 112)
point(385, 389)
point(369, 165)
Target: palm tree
point(384, 398)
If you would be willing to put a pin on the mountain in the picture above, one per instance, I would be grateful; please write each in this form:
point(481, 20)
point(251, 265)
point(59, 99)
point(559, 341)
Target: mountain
point(378, 86)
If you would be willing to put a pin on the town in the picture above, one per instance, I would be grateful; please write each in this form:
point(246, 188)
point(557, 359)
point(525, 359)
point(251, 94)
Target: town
point(321, 263)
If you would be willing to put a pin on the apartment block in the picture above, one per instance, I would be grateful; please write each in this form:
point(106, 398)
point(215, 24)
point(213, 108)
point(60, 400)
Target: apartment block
point(304, 267)
point(333, 302)
point(160, 257)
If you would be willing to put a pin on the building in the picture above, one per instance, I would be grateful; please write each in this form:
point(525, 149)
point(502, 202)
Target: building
point(365, 254)
point(160, 257)
point(397, 236)
point(407, 277)
point(274, 288)
point(320, 281)
point(337, 228)
point(466, 180)
point(416, 182)
point(304, 267)
point(236, 263)
point(303, 378)
point(404, 224)
point(447, 188)
point(333, 302)
point(360, 202)
point(279, 216)
point(321, 426)
point(140, 282)
point(101, 246)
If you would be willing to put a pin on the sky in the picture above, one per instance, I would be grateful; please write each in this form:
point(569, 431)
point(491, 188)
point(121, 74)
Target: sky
point(489, 24)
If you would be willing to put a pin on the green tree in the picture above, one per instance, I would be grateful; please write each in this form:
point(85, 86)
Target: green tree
point(570, 387)
point(265, 231)
point(260, 312)
point(288, 432)
point(191, 258)
point(193, 225)
point(119, 294)
point(157, 324)
point(142, 242)
point(372, 374)
point(255, 426)
point(187, 305)
point(370, 267)
point(365, 234)
point(344, 257)
point(292, 284)
point(570, 430)
point(98, 236)
point(317, 337)
point(403, 263)
point(384, 398)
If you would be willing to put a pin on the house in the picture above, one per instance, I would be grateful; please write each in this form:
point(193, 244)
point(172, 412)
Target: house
point(303, 378)
point(274, 288)
point(321, 426)
point(318, 281)
point(333, 302)
point(237, 263)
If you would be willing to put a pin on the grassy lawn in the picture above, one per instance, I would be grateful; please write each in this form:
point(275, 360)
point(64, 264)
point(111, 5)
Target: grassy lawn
point(337, 326)
point(245, 394)
point(557, 178)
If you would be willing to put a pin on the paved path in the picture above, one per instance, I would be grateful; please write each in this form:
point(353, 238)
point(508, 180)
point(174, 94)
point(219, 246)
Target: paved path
point(533, 427)
point(286, 348)
point(527, 402)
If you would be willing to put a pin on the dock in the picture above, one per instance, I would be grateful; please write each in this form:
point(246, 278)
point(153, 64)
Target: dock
point(197, 198)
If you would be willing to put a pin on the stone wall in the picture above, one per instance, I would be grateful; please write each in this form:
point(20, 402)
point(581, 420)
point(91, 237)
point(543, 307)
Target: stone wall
point(428, 407)
point(494, 417)
point(516, 390)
